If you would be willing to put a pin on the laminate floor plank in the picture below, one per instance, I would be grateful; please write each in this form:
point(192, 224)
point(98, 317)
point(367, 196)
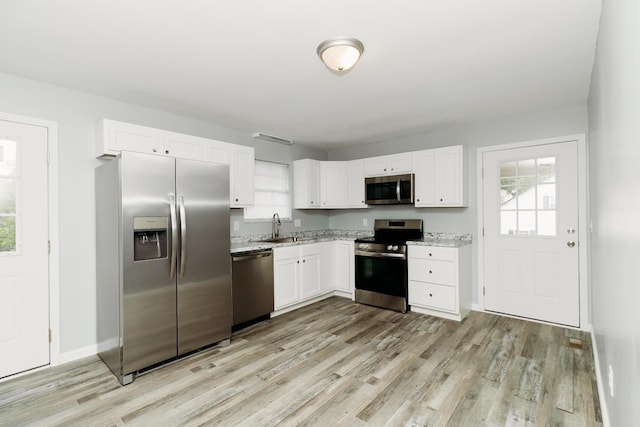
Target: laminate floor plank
point(338, 363)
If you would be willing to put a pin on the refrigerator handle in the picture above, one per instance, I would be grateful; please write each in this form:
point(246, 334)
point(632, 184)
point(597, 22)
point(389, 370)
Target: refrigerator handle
point(183, 236)
point(174, 235)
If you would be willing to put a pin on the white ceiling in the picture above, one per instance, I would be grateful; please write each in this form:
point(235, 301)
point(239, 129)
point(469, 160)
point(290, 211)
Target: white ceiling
point(252, 64)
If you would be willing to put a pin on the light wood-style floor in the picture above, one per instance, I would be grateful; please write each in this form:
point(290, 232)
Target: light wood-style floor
point(336, 363)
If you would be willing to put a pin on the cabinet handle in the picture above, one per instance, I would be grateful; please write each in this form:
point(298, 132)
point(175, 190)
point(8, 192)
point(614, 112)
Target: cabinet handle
point(385, 169)
point(236, 200)
point(154, 150)
point(431, 295)
point(430, 272)
point(298, 262)
point(312, 202)
point(303, 261)
point(166, 151)
point(441, 200)
point(417, 200)
point(430, 254)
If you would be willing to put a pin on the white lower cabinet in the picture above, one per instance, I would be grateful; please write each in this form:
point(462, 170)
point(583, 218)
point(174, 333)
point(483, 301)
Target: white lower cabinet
point(343, 267)
point(440, 280)
point(306, 272)
point(298, 273)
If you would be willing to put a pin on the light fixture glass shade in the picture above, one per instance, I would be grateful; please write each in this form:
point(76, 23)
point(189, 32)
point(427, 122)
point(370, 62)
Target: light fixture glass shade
point(340, 54)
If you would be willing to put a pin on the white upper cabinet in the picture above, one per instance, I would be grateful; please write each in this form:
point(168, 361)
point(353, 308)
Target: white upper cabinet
point(333, 191)
point(389, 165)
point(439, 177)
point(182, 146)
point(355, 184)
point(114, 137)
point(328, 185)
point(306, 184)
point(242, 169)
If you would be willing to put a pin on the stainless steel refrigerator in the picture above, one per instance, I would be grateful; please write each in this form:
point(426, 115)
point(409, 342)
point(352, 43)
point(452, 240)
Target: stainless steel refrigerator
point(163, 267)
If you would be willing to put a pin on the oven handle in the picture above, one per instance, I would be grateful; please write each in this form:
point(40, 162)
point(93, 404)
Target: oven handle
point(380, 255)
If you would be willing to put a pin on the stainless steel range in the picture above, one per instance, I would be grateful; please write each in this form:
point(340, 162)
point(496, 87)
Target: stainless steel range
point(381, 263)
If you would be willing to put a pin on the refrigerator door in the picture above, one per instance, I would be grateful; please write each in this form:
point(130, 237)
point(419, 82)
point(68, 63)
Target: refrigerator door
point(204, 266)
point(148, 314)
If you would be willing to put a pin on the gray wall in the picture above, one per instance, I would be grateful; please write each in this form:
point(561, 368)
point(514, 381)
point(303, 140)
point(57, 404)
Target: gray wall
point(77, 114)
point(460, 220)
point(614, 156)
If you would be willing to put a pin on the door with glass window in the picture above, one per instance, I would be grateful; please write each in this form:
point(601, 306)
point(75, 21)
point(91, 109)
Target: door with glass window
point(24, 274)
point(530, 198)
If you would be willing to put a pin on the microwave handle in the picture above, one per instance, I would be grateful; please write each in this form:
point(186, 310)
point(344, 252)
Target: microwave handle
point(398, 190)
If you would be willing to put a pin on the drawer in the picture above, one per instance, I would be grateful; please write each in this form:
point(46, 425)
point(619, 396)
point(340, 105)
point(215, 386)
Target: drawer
point(286, 252)
point(432, 252)
point(431, 295)
point(427, 270)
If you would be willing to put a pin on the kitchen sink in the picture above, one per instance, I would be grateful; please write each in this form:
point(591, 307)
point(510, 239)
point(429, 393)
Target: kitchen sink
point(286, 239)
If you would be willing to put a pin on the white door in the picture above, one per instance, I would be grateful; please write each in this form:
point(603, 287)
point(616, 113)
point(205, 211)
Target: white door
point(24, 269)
point(531, 232)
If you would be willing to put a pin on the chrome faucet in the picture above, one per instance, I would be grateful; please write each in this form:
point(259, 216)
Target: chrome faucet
point(275, 226)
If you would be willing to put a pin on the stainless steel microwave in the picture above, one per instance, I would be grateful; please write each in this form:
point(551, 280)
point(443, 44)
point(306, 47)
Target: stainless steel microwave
point(389, 190)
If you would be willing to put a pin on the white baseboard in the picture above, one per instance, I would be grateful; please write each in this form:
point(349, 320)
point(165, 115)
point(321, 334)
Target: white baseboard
point(599, 381)
point(80, 353)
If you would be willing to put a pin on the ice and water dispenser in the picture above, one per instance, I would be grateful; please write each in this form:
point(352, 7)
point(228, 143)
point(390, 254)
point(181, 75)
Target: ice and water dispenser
point(150, 237)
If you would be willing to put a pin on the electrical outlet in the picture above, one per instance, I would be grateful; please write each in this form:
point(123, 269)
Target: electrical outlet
point(365, 222)
point(236, 225)
point(296, 222)
point(610, 380)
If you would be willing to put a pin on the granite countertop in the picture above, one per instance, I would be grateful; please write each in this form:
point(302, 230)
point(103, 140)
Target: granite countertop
point(448, 240)
point(252, 243)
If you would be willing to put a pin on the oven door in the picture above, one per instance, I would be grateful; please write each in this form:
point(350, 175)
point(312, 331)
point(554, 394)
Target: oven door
point(382, 273)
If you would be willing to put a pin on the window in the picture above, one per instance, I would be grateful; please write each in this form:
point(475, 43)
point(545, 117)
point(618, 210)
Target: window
point(272, 192)
point(9, 190)
point(528, 197)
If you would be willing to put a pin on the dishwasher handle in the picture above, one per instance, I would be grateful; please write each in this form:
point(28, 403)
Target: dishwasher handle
point(250, 255)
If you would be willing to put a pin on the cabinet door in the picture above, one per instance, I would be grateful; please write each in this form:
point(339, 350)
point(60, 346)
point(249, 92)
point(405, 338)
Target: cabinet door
point(310, 268)
point(306, 184)
point(327, 275)
point(241, 179)
point(285, 282)
point(332, 184)
point(119, 136)
point(355, 184)
point(375, 166)
point(399, 163)
point(343, 266)
point(448, 176)
point(216, 151)
point(425, 185)
point(183, 146)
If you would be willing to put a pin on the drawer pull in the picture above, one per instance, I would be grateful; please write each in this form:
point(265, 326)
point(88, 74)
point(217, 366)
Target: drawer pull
point(430, 254)
point(430, 272)
point(430, 295)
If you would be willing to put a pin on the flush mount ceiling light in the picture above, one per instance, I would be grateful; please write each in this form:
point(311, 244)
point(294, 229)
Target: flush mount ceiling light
point(340, 54)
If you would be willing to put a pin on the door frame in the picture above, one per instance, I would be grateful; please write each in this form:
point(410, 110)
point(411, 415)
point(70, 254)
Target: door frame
point(583, 184)
point(54, 225)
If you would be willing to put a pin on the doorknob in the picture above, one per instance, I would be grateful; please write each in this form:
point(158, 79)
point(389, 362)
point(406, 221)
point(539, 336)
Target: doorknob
point(571, 243)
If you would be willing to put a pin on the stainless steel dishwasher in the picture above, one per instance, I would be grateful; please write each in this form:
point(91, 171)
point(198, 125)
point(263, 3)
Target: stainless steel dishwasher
point(252, 284)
